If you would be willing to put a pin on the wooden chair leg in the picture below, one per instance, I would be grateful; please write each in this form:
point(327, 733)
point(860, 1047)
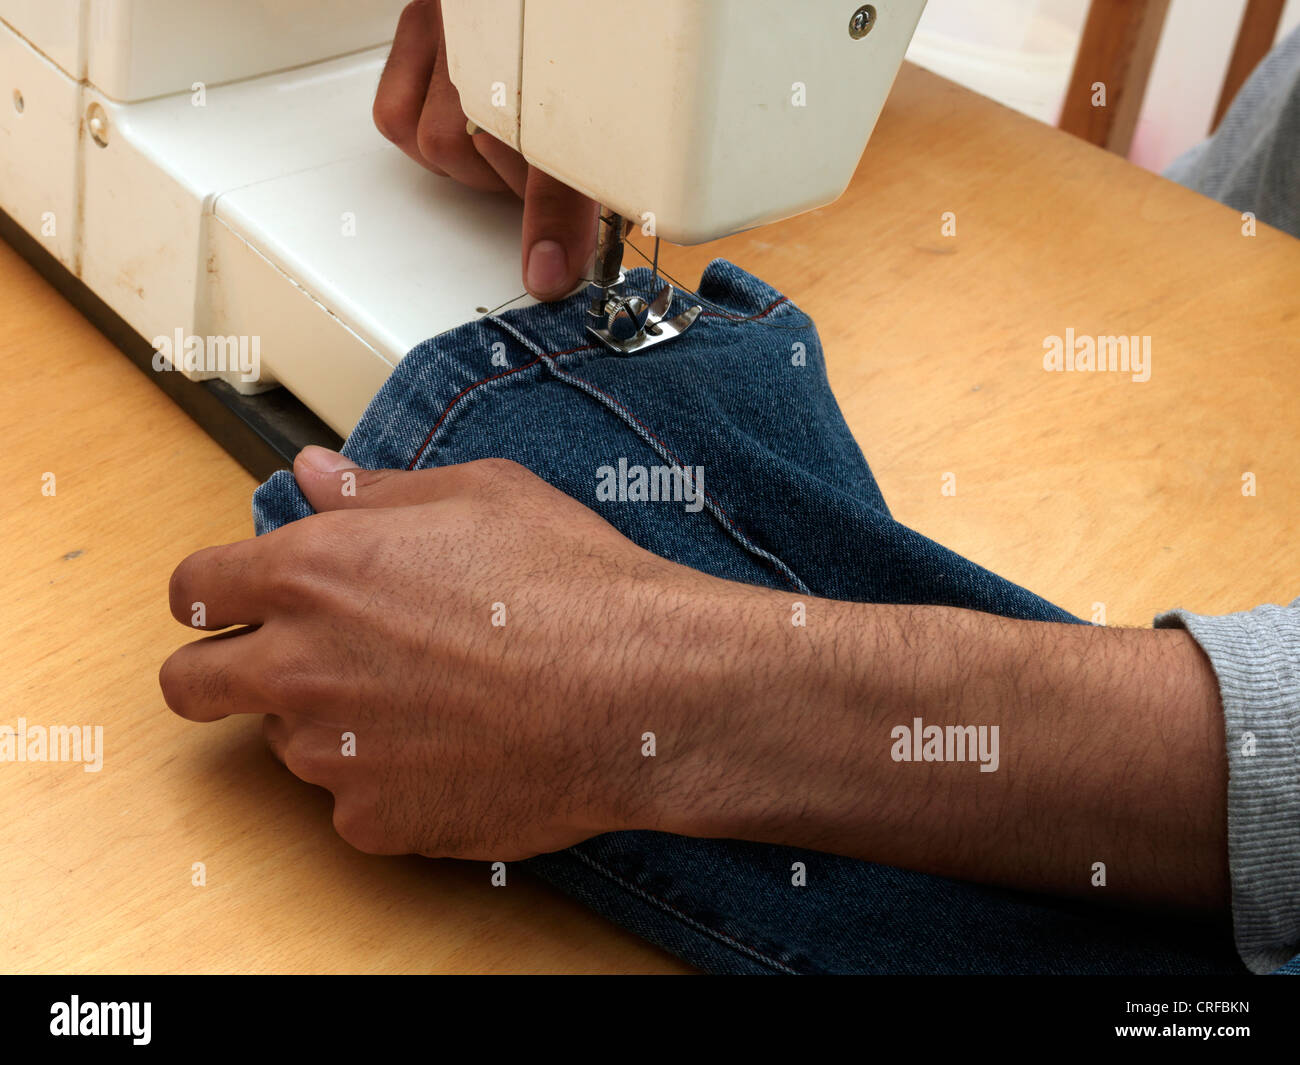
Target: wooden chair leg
point(1116, 52)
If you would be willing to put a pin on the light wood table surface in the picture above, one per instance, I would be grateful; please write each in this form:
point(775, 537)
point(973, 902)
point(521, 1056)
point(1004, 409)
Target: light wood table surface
point(1087, 488)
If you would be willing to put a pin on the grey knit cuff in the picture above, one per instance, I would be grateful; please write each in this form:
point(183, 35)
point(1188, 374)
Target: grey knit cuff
point(1256, 658)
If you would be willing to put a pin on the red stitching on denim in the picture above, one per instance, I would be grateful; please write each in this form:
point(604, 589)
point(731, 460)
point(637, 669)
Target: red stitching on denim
point(753, 317)
point(470, 388)
point(556, 354)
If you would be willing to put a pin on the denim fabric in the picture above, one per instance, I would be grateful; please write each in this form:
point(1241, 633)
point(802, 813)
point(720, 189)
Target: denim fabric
point(791, 504)
point(1252, 163)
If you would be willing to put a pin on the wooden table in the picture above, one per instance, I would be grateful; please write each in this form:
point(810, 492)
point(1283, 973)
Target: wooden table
point(1087, 488)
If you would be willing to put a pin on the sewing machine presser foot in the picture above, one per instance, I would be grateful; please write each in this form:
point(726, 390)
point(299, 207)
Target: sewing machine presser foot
point(628, 324)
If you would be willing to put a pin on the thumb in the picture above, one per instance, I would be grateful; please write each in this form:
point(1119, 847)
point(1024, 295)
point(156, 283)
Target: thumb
point(558, 236)
point(332, 481)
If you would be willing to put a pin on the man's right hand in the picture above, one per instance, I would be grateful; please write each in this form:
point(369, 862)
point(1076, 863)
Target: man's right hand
point(418, 109)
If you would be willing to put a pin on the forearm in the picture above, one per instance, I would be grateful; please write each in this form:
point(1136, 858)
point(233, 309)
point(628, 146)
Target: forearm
point(1109, 747)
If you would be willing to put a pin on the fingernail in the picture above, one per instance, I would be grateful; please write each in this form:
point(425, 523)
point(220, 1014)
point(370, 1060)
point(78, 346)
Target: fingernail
point(548, 269)
point(323, 460)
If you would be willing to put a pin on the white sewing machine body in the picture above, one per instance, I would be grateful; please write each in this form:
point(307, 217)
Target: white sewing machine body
point(700, 118)
point(212, 171)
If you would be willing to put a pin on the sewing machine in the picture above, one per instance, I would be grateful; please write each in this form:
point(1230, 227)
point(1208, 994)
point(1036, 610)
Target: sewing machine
point(207, 177)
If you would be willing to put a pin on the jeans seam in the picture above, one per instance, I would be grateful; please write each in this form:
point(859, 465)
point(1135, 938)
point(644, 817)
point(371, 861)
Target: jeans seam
point(428, 439)
point(641, 429)
point(636, 424)
point(554, 355)
point(669, 908)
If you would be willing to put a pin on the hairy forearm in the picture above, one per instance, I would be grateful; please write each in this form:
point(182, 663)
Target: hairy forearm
point(1097, 746)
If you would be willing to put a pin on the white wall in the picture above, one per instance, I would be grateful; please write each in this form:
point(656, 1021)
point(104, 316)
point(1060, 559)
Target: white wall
point(1019, 52)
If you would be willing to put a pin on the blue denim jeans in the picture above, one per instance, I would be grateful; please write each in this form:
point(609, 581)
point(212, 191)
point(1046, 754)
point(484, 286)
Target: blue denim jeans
point(789, 502)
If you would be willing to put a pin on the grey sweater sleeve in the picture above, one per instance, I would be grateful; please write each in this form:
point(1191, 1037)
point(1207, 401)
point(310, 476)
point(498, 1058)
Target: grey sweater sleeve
point(1256, 658)
point(1251, 162)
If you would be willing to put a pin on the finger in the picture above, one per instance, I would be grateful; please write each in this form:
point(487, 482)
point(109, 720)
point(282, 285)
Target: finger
point(404, 85)
point(311, 753)
point(227, 585)
point(314, 754)
point(504, 160)
point(211, 678)
point(443, 139)
point(331, 481)
point(559, 235)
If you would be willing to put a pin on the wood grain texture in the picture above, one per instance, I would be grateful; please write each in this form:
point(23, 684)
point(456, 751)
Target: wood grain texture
point(1084, 487)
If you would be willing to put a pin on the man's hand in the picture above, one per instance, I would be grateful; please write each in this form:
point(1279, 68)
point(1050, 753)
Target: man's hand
point(482, 636)
point(418, 109)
